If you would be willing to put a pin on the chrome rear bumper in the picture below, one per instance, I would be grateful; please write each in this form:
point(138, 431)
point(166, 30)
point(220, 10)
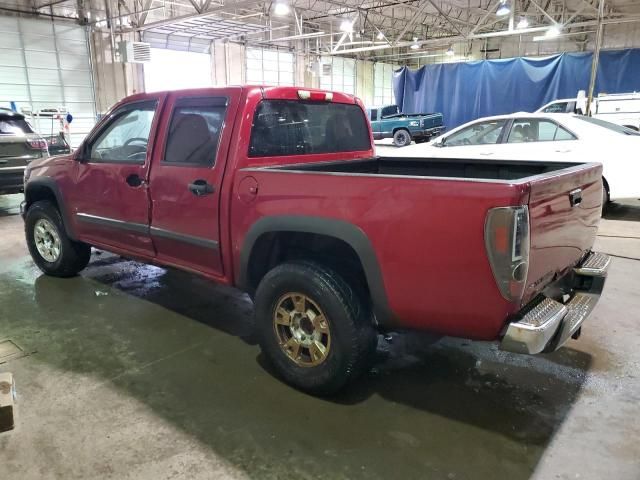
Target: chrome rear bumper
point(546, 324)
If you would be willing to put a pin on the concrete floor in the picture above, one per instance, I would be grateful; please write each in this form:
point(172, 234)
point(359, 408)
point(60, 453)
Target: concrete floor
point(132, 371)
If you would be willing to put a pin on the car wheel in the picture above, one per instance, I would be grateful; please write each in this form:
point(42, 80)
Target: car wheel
point(313, 328)
point(51, 249)
point(401, 138)
point(605, 200)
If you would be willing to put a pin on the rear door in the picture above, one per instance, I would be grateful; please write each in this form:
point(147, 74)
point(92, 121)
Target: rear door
point(186, 179)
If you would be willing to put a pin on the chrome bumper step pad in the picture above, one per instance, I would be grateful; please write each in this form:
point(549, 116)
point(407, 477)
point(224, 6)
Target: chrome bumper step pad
point(549, 324)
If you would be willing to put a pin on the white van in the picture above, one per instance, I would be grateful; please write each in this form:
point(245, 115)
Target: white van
point(620, 108)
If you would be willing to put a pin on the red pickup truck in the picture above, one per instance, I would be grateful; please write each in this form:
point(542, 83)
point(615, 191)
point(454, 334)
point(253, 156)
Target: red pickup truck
point(278, 191)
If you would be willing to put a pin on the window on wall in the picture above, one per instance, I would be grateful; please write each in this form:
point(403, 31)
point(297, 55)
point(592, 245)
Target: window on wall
point(269, 67)
point(342, 77)
point(174, 70)
point(383, 84)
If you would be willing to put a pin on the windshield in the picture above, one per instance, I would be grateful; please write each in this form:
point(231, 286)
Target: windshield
point(608, 125)
point(14, 126)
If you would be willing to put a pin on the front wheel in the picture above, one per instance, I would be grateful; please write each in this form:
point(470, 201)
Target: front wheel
point(51, 249)
point(401, 138)
point(313, 328)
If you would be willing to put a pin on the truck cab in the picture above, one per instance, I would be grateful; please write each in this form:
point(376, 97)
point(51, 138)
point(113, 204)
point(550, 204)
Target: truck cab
point(388, 122)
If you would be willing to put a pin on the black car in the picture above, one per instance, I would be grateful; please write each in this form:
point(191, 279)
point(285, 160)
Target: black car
point(58, 145)
point(19, 145)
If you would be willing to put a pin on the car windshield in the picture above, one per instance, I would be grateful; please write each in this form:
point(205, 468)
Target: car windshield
point(608, 125)
point(14, 126)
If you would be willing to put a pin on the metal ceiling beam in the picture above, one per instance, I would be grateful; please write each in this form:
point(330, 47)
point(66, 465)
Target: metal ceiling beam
point(413, 20)
point(445, 16)
point(208, 13)
point(504, 33)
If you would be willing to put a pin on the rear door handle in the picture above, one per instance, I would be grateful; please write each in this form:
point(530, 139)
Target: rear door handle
point(201, 187)
point(486, 153)
point(563, 151)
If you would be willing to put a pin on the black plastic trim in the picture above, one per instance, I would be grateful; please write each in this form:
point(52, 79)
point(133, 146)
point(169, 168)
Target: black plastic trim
point(180, 237)
point(50, 183)
point(339, 229)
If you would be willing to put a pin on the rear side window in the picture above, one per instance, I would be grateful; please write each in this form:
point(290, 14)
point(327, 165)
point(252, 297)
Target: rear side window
point(194, 131)
point(373, 114)
point(533, 130)
point(14, 126)
point(292, 127)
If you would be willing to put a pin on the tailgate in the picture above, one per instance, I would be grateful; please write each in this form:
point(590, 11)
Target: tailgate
point(564, 211)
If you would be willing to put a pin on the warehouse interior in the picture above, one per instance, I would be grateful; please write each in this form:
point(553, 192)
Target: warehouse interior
point(146, 369)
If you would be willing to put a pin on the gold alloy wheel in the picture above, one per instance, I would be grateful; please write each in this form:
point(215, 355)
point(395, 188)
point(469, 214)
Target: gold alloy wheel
point(302, 329)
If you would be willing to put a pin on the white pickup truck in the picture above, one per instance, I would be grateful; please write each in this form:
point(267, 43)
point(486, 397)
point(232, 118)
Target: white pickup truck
point(620, 108)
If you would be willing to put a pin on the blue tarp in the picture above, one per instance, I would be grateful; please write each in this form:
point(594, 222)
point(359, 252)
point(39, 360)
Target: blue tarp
point(466, 91)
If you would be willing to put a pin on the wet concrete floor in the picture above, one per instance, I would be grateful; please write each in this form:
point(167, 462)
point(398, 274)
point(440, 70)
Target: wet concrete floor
point(133, 371)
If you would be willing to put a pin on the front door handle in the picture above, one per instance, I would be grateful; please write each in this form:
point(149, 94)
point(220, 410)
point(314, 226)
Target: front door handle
point(201, 187)
point(486, 153)
point(134, 180)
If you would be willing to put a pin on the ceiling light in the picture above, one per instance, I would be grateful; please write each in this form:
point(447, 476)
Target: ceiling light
point(346, 26)
point(450, 52)
point(380, 36)
point(281, 8)
point(523, 23)
point(504, 8)
point(553, 32)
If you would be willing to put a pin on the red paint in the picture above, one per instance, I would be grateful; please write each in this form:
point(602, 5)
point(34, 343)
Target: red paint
point(427, 233)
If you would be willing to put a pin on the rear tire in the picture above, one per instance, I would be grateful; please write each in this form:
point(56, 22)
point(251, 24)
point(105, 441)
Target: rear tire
point(401, 138)
point(293, 292)
point(51, 249)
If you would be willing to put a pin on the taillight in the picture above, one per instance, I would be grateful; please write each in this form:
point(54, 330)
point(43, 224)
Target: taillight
point(506, 236)
point(37, 144)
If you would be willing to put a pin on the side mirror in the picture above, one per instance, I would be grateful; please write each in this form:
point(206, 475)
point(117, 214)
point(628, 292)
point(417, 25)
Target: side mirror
point(439, 143)
point(80, 155)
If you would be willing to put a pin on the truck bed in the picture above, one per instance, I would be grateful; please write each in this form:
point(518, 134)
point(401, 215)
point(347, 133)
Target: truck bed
point(430, 167)
point(425, 220)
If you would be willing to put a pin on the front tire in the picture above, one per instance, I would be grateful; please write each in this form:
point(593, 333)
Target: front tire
point(313, 328)
point(401, 138)
point(51, 249)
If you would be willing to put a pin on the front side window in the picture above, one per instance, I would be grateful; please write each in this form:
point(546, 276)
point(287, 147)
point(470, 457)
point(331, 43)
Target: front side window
point(126, 136)
point(194, 131)
point(483, 133)
point(291, 127)
point(534, 130)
